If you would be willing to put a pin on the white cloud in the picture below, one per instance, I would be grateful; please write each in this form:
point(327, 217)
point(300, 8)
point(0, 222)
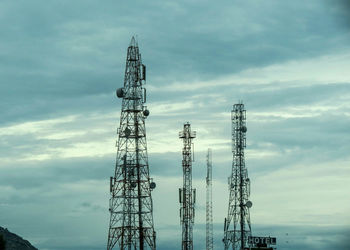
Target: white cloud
point(303, 194)
point(35, 126)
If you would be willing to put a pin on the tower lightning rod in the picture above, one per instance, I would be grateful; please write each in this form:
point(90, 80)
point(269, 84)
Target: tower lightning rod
point(237, 226)
point(209, 203)
point(130, 205)
point(187, 195)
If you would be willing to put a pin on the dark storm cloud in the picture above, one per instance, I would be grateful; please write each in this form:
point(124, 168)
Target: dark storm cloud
point(341, 10)
point(47, 174)
point(42, 73)
point(39, 108)
point(300, 32)
point(58, 58)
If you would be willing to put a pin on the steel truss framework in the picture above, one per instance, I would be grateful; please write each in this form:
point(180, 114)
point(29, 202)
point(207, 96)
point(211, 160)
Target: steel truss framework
point(131, 208)
point(237, 226)
point(209, 203)
point(187, 195)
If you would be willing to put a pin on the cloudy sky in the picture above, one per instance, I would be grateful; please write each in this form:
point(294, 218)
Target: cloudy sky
point(288, 61)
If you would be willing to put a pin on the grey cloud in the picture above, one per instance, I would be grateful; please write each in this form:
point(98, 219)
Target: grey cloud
point(306, 236)
point(288, 237)
point(42, 67)
point(46, 174)
point(63, 58)
point(267, 97)
point(165, 164)
point(341, 12)
point(296, 96)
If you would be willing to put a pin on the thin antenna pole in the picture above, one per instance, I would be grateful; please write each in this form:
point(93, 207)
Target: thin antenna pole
point(209, 203)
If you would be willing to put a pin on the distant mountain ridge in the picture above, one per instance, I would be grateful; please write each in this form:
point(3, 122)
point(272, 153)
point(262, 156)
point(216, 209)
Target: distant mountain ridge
point(15, 242)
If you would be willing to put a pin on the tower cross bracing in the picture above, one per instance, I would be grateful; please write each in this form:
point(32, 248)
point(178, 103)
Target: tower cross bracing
point(187, 195)
point(131, 209)
point(237, 226)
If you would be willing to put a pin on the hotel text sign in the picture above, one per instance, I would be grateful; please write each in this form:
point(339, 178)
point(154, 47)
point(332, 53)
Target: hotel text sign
point(262, 240)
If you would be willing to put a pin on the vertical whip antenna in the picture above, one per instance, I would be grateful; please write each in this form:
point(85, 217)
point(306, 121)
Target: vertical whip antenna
point(209, 203)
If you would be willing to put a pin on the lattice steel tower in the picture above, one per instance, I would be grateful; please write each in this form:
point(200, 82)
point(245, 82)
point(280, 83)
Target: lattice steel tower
point(187, 195)
point(237, 224)
point(209, 204)
point(131, 218)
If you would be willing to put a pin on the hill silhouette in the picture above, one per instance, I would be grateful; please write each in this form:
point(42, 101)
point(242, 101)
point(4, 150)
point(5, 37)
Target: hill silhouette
point(13, 241)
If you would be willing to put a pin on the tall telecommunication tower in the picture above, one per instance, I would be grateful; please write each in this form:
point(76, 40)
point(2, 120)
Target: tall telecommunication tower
point(237, 227)
point(209, 203)
point(187, 195)
point(131, 218)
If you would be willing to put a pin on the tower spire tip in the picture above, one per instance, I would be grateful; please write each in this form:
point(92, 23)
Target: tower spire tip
point(133, 42)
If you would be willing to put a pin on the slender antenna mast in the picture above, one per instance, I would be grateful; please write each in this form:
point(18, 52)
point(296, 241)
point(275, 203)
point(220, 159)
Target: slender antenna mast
point(131, 210)
point(187, 195)
point(237, 227)
point(209, 204)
